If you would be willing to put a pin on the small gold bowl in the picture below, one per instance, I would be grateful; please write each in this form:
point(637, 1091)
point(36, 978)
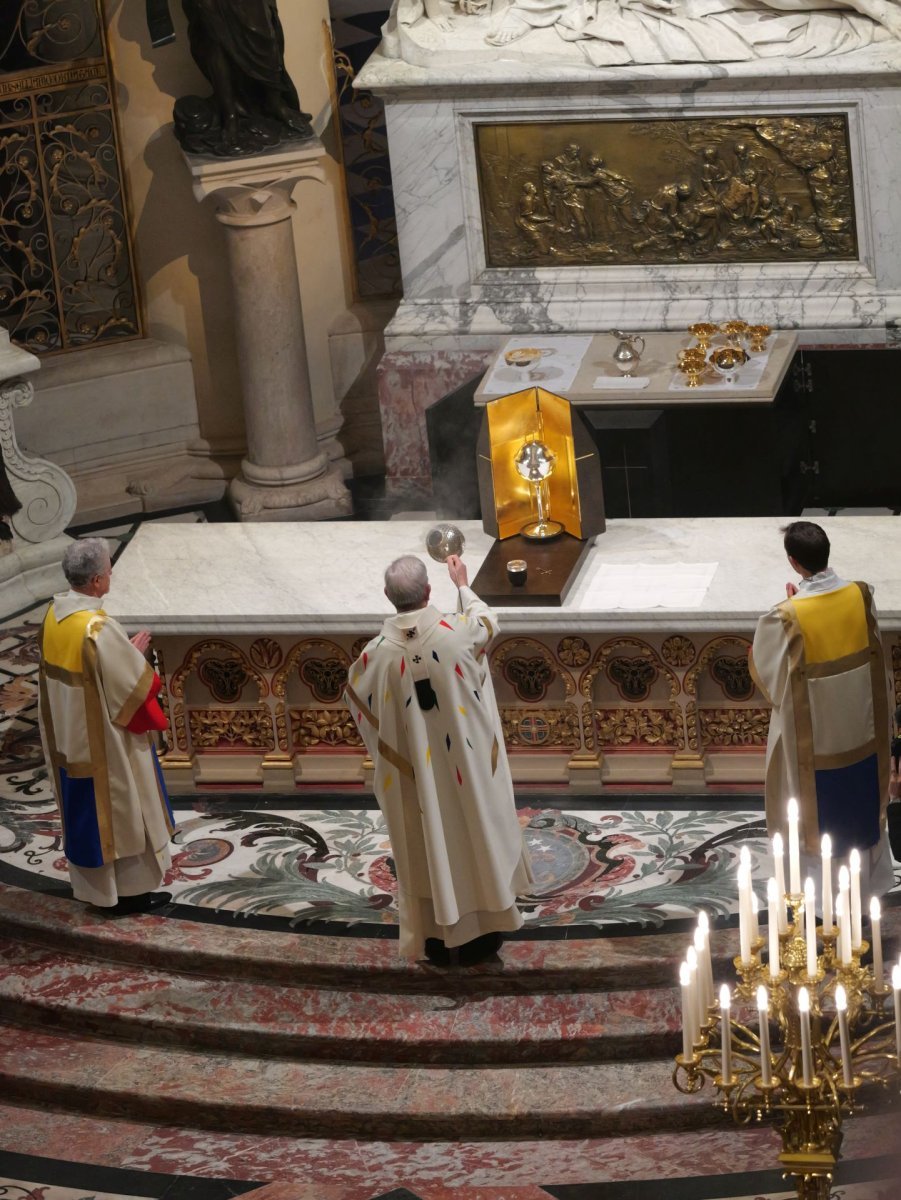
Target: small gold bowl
point(735, 331)
point(522, 356)
point(692, 363)
point(758, 335)
point(703, 331)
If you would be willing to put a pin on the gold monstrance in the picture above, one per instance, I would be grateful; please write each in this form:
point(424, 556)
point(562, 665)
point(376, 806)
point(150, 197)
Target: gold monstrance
point(535, 462)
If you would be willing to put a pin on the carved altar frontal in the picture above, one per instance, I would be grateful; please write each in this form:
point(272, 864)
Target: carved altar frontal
point(722, 189)
point(256, 627)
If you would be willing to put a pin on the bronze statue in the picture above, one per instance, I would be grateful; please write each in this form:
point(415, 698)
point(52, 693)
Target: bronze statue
point(240, 48)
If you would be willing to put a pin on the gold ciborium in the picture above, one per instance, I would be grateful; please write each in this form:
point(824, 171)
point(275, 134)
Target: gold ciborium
point(736, 331)
point(757, 336)
point(726, 360)
point(704, 332)
point(692, 363)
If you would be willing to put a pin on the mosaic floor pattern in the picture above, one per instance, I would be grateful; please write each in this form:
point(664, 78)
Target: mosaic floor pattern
point(325, 863)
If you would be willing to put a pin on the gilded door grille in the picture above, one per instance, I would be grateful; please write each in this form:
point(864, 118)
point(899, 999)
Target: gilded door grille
point(66, 269)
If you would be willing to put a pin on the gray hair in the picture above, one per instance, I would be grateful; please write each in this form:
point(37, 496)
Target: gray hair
point(406, 580)
point(84, 559)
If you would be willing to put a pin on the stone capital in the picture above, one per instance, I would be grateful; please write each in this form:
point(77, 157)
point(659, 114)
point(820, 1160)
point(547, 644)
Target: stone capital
point(257, 190)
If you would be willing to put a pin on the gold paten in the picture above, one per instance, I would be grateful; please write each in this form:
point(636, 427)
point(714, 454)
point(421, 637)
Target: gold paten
point(533, 414)
point(717, 189)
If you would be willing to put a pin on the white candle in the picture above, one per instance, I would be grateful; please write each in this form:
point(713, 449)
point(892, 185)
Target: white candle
point(794, 851)
point(702, 970)
point(827, 882)
point(843, 913)
point(841, 1005)
point(755, 924)
point(806, 1059)
point(688, 1012)
point(697, 992)
point(810, 921)
point(725, 1017)
point(856, 915)
point(744, 913)
point(773, 928)
point(705, 957)
point(876, 939)
point(896, 985)
point(779, 873)
point(763, 1013)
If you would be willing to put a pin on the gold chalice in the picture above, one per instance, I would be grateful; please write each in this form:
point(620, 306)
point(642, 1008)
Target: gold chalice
point(726, 360)
point(735, 331)
point(692, 363)
point(523, 358)
point(703, 331)
point(757, 335)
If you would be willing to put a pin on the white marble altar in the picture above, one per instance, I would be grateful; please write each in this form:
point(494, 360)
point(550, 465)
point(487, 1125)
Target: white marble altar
point(257, 624)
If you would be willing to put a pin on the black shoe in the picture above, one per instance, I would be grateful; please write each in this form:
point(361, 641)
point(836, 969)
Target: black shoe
point(144, 903)
point(437, 953)
point(480, 948)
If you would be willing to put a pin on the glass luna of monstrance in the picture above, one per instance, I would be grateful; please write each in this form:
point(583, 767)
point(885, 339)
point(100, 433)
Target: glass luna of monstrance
point(535, 463)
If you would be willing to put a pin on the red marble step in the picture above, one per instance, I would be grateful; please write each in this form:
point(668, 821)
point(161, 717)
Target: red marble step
point(348, 962)
point(244, 1093)
point(54, 990)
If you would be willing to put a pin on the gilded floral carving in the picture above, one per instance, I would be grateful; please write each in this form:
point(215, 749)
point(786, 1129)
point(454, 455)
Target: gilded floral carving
point(313, 728)
point(265, 653)
point(228, 728)
point(573, 651)
point(678, 651)
point(734, 726)
point(644, 726)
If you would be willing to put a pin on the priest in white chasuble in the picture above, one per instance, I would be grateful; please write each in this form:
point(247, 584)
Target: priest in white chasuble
point(818, 659)
point(422, 697)
point(97, 706)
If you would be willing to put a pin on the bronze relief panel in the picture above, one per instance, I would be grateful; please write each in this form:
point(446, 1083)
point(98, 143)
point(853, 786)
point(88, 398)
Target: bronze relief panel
point(718, 189)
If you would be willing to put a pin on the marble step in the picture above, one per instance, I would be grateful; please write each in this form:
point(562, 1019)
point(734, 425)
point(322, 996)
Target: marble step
point(585, 964)
point(53, 990)
point(249, 1094)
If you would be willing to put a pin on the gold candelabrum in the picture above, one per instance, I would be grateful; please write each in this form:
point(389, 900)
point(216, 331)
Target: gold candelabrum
point(809, 1031)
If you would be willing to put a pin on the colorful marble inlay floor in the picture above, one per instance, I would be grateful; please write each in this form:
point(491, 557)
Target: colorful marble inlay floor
point(325, 863)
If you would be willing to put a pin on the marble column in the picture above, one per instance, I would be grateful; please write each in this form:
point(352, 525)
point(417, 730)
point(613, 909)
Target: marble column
point(30, 568)
point(285, 476)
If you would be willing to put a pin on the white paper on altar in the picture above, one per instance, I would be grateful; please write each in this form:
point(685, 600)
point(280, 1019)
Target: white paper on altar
point(746, 377)
point(555, 371)
point(649, 585)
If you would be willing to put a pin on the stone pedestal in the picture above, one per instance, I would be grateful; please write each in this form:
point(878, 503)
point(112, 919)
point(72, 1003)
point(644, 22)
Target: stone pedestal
point(140, 448)
point(30, 571)
point(285, 476)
